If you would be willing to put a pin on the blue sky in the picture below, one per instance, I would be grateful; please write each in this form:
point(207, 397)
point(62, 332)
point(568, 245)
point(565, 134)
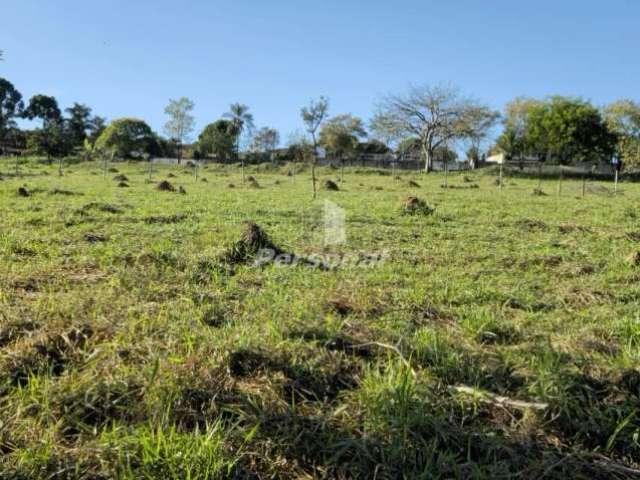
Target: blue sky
point(128, 58)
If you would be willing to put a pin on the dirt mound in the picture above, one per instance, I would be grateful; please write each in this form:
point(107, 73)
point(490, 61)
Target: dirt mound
point(252, 182)
point(539, 193)
point(634, 259)
point(182, 190)
point(171, 175)
point(59, 191)
point(95, 237)
point(123, 185)
point(231, 185)
point(113, 170)
point(246, 362)
point(415, 205)
point(633, 236)
point(566, 228)
point(121, 178)
point(413, 184)
point(330, 185)
point(204, 180)
point(165, 219)
point(532, 224)
point(253, 240)
point(471, 186)
point(165, 186)
point(102, 207)
point(23, 192)
point(51, 353)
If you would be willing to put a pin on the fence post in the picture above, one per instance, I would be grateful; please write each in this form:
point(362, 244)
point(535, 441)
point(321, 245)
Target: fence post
point(560, 183)
point(584, 185)
point(615, 184)
point(500, 180)
point(539, 176)
point(446, 175)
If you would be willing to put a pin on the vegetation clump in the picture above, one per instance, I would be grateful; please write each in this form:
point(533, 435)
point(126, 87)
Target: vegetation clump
point(165, 219)
point(61, 191)
point(330, 185)
point(165, 186)
point(252, 182)
point(99, 206)
point(416, 206)
point(252, 241)
point(23, 192)
point(95, 237)
point(471, 186)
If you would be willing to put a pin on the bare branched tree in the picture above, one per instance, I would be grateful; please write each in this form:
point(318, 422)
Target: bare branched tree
point(266, 140)
point(181, 122)
point(479, 122)
point(313, 115)
point(436, 115)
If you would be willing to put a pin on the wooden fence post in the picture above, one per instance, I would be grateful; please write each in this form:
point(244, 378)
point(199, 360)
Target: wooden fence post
point(560, 183)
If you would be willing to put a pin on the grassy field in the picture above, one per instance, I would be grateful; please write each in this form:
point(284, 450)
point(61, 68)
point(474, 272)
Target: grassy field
point(499, 337)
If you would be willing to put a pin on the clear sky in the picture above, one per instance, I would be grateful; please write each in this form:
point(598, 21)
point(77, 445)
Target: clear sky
point(128, 58)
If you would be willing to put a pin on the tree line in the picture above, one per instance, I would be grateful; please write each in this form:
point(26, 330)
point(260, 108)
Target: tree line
point(433, 121)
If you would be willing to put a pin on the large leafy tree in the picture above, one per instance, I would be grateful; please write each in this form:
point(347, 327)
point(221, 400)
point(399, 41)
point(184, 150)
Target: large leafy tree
point(98, 125)
point(514, 140)
point(313, 115)
point(181, 123)
point(436, 115)
point(128, 138)
point(219, 139)
point(44, 108)
point(341, 135)
point(570, 129)
point(623, 117)
point(52, 140)
point(372, 147)
point(11, 106)
point(79, 123)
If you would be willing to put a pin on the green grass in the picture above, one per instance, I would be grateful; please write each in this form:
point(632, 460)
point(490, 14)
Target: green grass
point(132, 347)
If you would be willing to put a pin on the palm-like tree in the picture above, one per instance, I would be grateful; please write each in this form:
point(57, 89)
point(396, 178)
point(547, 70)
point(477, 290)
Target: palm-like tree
point(242, 121)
